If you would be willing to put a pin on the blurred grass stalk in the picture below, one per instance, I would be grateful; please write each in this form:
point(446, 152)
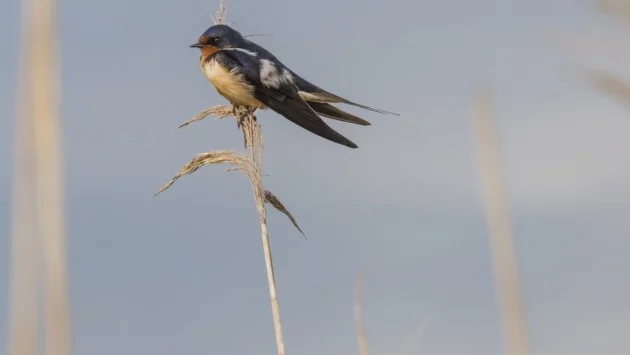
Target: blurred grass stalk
point(498, 221)
point(38, 220)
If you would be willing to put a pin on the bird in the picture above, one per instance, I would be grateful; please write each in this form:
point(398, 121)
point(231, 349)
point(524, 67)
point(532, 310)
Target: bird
point(248, 75)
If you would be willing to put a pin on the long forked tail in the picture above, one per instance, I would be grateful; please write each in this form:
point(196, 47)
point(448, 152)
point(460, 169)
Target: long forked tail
point(313, 93)
point(330, 111)
point(348, 102)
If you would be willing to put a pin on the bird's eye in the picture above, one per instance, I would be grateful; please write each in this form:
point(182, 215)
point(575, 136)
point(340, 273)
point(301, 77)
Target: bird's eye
point(215, 40)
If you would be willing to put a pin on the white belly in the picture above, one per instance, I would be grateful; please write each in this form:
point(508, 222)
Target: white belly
point(231, 86)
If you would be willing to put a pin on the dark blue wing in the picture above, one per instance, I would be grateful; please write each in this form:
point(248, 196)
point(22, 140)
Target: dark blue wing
point(283, 99)
point(306, 86)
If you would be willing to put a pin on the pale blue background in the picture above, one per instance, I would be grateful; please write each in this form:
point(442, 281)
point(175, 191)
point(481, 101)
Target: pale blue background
point(184, 273)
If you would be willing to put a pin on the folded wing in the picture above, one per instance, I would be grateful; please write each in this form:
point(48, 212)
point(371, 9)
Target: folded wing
point(282, 97)
point(299, 112)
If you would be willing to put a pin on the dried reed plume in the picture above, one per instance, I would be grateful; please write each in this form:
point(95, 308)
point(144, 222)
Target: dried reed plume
point(250, 166)
point(38, 201)
point(498, 222)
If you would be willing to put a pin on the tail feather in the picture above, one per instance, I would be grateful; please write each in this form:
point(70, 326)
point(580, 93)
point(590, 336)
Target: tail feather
point(339, 99)
point(367, 107)
point(330, 111)
point(313, 93)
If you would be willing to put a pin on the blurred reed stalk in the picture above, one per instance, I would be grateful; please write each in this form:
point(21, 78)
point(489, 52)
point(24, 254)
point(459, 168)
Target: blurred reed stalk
point(617, 8)
point(610, 84)
point(250, 166)
point(499, 227)
point(22, 339)
point(38, 220)
point(359, 323)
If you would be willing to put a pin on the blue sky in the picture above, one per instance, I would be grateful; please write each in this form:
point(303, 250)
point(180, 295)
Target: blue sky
point(184, 273)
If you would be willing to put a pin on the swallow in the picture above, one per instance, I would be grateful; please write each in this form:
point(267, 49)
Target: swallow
point(246, 74)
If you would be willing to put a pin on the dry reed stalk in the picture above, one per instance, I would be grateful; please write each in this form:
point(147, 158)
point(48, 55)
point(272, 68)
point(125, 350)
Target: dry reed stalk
point(250, 166)
point(39, 98)
point(498, 222)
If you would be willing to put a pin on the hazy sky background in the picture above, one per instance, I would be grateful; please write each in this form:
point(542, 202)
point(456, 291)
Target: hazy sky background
point(184, 273)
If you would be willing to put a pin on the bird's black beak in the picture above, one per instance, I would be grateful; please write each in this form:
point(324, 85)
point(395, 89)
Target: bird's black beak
point(196, 45)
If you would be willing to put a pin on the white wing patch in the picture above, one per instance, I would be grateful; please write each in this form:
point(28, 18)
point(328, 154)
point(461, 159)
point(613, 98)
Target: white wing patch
point(253, 54)
point(287, 75)
point(270, 77)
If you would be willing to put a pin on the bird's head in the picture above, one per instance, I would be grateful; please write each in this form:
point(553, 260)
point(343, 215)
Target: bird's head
point(218, 37)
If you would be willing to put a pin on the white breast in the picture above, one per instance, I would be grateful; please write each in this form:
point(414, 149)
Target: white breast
point(230, 85)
